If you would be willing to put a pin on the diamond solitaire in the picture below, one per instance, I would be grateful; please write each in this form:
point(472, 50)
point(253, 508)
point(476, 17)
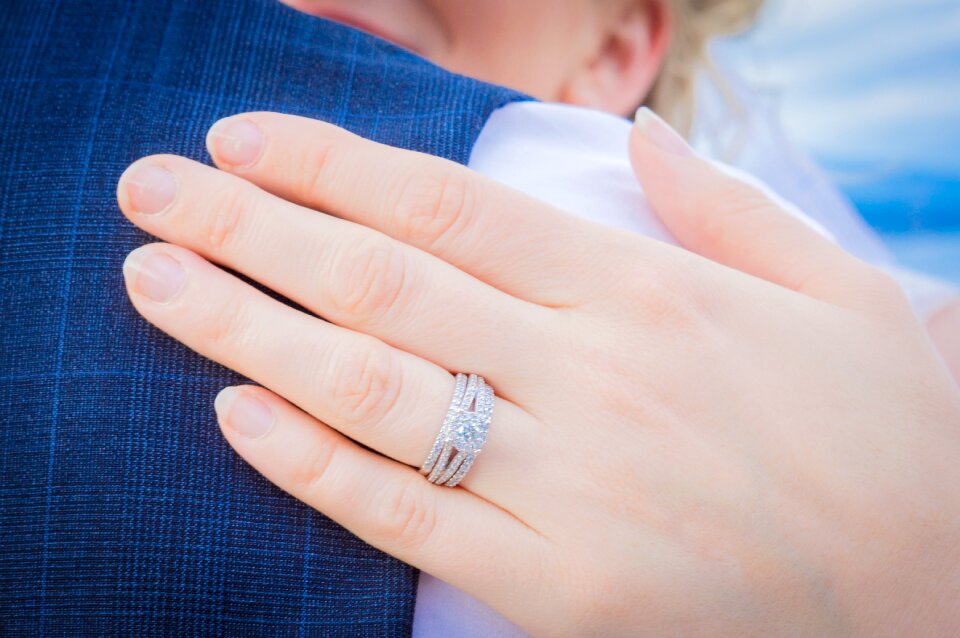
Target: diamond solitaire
point(470, 433)
point(463, 432)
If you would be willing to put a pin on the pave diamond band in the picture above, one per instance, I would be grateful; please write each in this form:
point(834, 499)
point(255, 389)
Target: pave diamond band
point(463, 432)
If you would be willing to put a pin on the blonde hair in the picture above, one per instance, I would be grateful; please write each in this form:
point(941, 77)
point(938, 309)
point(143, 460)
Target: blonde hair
point(695, 23)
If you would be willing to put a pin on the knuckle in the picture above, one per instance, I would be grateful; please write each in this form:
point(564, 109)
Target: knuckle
point(407, 514)
point(366, 383)
point(661, 299)
point(227, 212)
point(714, 231)
point(722, 229)
point(311, 473)
point(367, 277)
point(228, 324)
point(432, 206)
point(313, 176)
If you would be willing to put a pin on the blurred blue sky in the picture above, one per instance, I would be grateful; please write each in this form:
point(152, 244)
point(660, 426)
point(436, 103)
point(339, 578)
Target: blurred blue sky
point(872, 89)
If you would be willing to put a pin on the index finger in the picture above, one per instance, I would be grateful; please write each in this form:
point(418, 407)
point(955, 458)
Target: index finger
point(510, 240)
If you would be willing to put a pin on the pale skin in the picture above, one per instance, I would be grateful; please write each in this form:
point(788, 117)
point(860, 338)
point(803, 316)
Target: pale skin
point(603, 54)
point(749, 435)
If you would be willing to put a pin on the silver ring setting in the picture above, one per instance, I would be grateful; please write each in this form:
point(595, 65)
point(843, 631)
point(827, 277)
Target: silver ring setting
point(463, 432)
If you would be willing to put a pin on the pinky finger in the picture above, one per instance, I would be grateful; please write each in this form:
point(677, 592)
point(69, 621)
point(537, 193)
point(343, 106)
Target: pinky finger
point(448, 532)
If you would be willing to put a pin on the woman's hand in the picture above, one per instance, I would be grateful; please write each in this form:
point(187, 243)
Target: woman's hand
point(756, 439)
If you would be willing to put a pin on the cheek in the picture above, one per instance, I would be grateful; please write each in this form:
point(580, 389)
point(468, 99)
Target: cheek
point(530, 46)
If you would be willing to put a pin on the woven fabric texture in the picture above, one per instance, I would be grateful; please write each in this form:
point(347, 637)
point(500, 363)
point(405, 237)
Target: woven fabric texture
point(122, 509)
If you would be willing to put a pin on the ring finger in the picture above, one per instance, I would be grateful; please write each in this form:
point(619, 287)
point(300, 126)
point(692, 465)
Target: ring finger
point(381, 396)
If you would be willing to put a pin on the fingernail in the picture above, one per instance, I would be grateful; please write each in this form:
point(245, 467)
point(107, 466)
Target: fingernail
point(236, 142)
point(661, 134)
point(150, 187)
point(244, 413)
point(154, 274)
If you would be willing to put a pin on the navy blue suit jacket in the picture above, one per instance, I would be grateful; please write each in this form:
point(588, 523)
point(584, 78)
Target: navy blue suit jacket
point(122, 509)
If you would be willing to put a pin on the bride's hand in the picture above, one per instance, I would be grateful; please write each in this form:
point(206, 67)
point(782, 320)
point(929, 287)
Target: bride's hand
point(754, 437)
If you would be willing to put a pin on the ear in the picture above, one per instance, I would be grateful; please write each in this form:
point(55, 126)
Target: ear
point(626, 59)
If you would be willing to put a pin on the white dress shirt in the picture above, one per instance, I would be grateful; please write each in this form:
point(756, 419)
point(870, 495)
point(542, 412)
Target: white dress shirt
point(576, 159)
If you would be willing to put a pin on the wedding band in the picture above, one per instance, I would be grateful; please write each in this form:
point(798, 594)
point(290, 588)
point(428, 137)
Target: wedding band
point(428, 464)
point(462, 433)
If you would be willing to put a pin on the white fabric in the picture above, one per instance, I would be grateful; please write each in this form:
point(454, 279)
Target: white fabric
point(576, 159)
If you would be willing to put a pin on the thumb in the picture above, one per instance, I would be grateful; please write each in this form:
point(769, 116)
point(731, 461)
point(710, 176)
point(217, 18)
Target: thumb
point(732, 219)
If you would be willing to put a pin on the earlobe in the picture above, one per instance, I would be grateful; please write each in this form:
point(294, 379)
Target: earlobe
point(625, 64)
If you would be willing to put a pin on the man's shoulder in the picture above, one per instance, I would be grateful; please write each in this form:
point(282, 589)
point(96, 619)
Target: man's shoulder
point(173, 66)
point(87, 87)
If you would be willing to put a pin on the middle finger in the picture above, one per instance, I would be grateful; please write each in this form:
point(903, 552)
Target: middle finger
point(352, 275)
